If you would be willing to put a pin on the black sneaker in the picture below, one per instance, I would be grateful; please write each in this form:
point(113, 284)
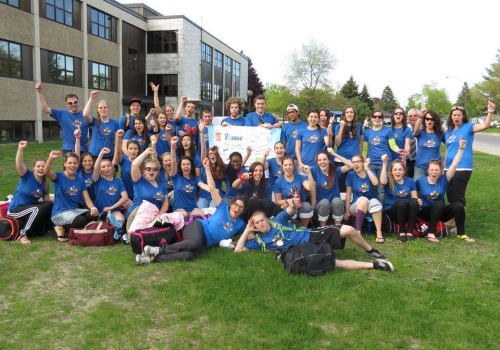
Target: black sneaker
point(374, 253)
point(383, 265)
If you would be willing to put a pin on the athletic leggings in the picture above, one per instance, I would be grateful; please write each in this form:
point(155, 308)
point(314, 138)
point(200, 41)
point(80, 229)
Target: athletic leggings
point(36, 218)
point(81, 220)
point(439, 212)
point(402, 212)
point(194, 244)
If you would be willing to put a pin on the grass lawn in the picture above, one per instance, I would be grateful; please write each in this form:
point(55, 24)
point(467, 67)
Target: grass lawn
point(442, 296)
point(492, 130)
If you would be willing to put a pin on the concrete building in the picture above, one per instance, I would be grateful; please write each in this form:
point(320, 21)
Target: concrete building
point(78, 46)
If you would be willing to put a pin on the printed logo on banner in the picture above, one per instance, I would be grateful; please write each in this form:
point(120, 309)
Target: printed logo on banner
point(218, 136)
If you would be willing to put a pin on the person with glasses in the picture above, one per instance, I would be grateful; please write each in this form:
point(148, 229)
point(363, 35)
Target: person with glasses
point(413, 116)
point(402, 133)
point(234, 107)
point(69, 120)
point(459, 126)
point(432, 188)
point(201, 234)
point(377, 141)
point(291, 129)
point(147, 186)
point(429, 134)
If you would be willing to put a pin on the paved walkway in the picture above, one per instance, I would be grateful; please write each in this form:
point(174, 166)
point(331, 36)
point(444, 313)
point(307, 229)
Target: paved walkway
point(487, 143)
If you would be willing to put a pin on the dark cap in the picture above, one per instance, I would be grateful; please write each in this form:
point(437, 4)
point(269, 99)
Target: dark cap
point(135, 99)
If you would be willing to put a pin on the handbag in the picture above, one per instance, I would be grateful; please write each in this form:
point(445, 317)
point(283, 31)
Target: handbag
point(153, 236)
point(95, 233)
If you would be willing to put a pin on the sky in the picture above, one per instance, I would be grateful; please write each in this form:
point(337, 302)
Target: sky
point(402, 44)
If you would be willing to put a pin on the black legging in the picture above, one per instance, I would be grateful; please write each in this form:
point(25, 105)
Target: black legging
point(80, 221)
point(439, 212)
point(194, 244)
point(402, 212)
point(35, 218)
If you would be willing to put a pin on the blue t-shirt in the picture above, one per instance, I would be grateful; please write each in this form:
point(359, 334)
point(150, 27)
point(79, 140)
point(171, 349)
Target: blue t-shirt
point(126, 168)
point(253, 119)
point(275, 172)
point(69, 122)
point(122, 123)
point(144, 190)
point(378, 144)
point(432, 193)
point(67, 193)
point(349, 147)
point(289, 133)
point(181, 126)
point(162, 145)
point(28, 191)
point(89, 181)
point(220, 226)
point(218, 185)
point(400, 192)
point(103, 136)
point(110, 192)
point(428, 148)
point(361, 187)
point(291, 189)
point(185, 192)
point(312, 143)
point(273, 235)
point(240, 121)
point(168, 182)
point(142, 143)
point(322, 191)
point(453, 144)
point(230, 191)
point(401, 136)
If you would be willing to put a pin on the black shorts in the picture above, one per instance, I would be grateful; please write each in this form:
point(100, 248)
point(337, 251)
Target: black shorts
point(328, 234)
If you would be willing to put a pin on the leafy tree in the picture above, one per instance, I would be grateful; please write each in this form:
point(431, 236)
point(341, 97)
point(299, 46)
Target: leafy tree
point(362, 109)
point(278, 97)
point(254, 82)
point(436, 99)
point(365, 97)
point(412, 103)
point(338, 102)
point(307, 72)
point(476, 106)
point(491, 84)
point(322, 99)
point(350, 89)
point(464, 96)
point(388, 101)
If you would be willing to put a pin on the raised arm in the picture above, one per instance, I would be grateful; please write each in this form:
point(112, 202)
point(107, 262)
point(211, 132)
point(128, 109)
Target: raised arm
point(369, 172)
point(457, 159)
point(155, 98)
point(487, 123)
point(173, 146)
point(154, 141)
point(220, 162)
point(418, 124)
point(203, 144)
point(43, 103)
point(264, 159)
point(348, 165)
point(211, 183)
point(88, 106)
point(136, 164)
point(383, 172)
point(78, 135)
point(249, 230)
point(47, 169)
point(245, 158)
point(117, 158)
point(150, 122)
point(20, 166)
point(178, 112)
point(97, 165)
point(338, 137)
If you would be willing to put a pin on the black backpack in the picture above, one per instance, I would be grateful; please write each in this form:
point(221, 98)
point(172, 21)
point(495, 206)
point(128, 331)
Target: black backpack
point(9, 228)
point(312, 258)
point(153, 236)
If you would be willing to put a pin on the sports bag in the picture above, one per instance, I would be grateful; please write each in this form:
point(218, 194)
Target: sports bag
point(9, 228)
point(422, 226)
point(153, 236)
point(95, 233)
point(312, 258)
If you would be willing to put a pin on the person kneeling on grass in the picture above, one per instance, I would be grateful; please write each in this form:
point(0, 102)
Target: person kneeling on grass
point(201, 234)
point(261, 234)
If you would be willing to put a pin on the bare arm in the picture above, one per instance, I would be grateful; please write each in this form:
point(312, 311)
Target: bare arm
point(383, 172)
point(43, 103)
point(211, 183)
point(173, 146)
point(249, 229)
point(118, 146)
point(97, 165)
point(418, 126)
point(88, 106)
point(371, 175)
point(457, 159)
point(135, 172)
point(245, 158)
point(46, 170)
point(178, 112)
point(487, 123)
point(89, 203)
point(155, 98)
point(338, 137)
point(348, 165)
point(20, 166)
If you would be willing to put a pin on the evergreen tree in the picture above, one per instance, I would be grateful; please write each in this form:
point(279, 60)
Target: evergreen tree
point(464, 97)
point(388, 101)
point(254, 82)
point(490, 86)
point(350, 89)
point(365, 97)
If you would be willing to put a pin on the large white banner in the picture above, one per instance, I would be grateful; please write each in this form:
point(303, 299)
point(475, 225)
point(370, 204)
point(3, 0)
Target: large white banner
point(231, 139)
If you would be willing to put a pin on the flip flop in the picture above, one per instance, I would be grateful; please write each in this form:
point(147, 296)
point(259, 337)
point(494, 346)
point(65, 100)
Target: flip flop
point(467, 239)
point(380, 240)
point(24, 240)
point(432, 239)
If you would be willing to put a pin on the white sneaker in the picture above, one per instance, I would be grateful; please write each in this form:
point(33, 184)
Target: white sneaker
point(142, 259)
point(226, 243)
point(150, 250)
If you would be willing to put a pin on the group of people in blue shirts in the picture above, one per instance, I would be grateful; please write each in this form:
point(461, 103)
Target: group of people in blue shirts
point(166, 160)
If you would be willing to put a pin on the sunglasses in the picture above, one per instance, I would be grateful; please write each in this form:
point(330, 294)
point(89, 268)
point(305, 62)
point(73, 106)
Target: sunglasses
point(398, 113)
point(377, 116)
point(71, 103)
point(429, 119)
point(458, 107)
point(151, 169)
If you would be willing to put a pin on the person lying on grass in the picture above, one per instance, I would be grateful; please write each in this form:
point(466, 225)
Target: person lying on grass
point(260, 233)
point(201, 234)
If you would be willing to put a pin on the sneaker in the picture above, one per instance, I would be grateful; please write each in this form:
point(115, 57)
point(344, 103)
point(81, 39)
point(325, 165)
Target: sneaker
point(374, 253)
point(124, 239)
point(383, 265)
point(150, 250)
point(142, 259)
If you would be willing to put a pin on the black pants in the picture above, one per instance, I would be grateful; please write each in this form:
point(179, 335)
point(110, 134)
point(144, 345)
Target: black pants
point(194, 244)
point(410, 168)
point(439, 212)
point(328, 234)
point(402, 212)
point(266, 205)
point(455, 192)
point(342, 177)
point(80, 221)
point(35, 218)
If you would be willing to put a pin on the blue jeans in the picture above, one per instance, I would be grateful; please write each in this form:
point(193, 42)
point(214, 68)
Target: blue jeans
point(377, 168)
point(205, 203)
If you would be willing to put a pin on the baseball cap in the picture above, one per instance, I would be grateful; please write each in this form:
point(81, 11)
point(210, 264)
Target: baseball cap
point(292, 106)
point(135, 99)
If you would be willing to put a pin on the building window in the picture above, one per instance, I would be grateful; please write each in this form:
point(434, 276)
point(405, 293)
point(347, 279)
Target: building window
point(206, 91)
point(218, 59)
point(60, 11)
point(206, 53)
point(61, 68)
point(168, 84)
point(17, 130)
point(228, 63)
point(217, 92)
point(14, 3)
point(236, 69)
point(51, 130)
point(133, 59)
point(101, 24)
point(10, 59)
point(162, 42)
point(101, 76)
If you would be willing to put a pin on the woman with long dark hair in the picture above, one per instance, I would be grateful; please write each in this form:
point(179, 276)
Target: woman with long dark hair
point(310, 141)
point(402, 133)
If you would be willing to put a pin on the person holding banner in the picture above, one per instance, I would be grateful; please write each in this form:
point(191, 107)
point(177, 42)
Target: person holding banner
point(234, 106)
point(260, 117)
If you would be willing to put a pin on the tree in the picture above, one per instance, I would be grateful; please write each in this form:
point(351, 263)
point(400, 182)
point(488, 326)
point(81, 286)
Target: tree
point(322, 98)
point(491, 84)
point(366, 98)
point(307, 72)
point(464, 96)
point(254, 82)
point(278, 97)
point(436, 99)
point(362, 109)
point(350, 89)
point(338, 102)
point(388, 101)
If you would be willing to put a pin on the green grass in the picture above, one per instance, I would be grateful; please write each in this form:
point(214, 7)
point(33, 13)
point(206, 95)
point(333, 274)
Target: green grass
point(492, 130)
point(442, 296)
